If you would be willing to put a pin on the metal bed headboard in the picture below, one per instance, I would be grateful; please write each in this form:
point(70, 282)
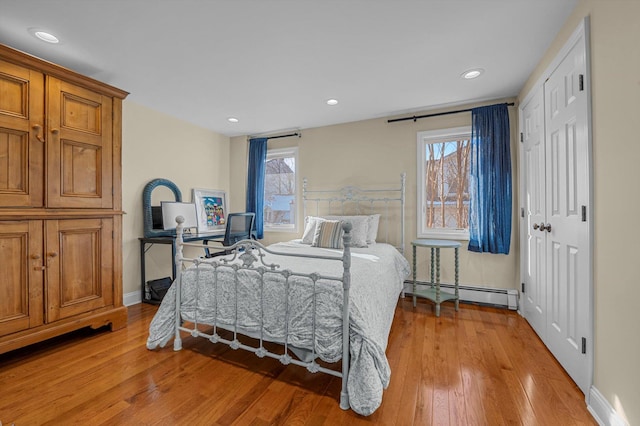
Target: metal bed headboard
point(353, 200)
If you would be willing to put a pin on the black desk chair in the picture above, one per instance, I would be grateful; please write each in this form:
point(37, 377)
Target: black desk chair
point(239, 227)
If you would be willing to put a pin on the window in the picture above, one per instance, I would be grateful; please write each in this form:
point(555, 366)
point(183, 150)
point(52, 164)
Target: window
point(443, 183)
point(280, 199)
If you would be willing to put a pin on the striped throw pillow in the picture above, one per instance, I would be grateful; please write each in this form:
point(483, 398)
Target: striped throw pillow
point(328, 234)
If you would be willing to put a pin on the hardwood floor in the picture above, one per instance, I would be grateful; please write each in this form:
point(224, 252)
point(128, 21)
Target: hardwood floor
point(480, 366)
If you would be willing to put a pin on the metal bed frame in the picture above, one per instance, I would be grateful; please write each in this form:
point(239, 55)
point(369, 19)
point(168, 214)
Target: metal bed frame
point(249, 255)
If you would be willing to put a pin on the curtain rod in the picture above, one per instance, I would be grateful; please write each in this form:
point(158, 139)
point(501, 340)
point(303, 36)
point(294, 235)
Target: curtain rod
point(298, 134)
point(416, 117)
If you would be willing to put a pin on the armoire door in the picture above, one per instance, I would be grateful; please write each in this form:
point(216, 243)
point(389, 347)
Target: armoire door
point(79, 263)
point(21, 291)
point(556, 189)
point(79, 152)
point(21, 136)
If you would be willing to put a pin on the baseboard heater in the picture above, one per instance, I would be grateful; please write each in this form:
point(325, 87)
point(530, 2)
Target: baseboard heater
point(499, 297)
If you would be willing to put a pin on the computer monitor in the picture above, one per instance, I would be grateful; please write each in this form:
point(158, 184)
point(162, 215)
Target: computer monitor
point(171, 210)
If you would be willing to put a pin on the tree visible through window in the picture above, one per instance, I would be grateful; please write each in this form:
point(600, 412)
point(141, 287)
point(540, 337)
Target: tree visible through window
point(280, 189)
point(443, 182)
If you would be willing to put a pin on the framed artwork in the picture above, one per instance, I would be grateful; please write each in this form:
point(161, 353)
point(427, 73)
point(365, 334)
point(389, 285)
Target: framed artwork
point(211, 210)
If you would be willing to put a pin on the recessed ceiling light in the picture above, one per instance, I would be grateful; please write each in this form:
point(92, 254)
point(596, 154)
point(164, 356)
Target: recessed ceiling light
point(474, 73)
point(332, 102)
point(44, 36)
point(232, 120)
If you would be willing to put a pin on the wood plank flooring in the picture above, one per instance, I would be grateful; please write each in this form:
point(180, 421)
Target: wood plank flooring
point(479, 366)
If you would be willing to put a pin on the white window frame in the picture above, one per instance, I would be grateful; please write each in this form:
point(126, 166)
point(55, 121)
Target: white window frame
point(278, 153)
point(424, 138)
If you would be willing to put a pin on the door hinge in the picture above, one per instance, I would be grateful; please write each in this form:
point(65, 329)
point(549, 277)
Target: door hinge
point(584, 345)
point(521, 137)
point(521, 211)
point(584, 213)
point(523, 287)
point(581, 82)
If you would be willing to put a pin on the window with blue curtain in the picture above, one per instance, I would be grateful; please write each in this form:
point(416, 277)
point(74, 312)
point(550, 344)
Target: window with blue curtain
point(490, 184)
point(255, 182)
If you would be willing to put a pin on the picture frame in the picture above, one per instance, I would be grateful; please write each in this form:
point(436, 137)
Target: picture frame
point(211, 210)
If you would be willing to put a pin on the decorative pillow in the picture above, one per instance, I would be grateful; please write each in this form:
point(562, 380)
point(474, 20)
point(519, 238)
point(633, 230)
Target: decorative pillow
point(372, 230)
point(328, 234)
point(359, 230)
point(311, 223)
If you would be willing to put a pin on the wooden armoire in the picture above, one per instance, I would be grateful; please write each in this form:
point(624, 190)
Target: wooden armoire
point(60, 201)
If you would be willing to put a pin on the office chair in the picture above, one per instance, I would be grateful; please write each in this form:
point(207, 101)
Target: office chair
point(239, 227)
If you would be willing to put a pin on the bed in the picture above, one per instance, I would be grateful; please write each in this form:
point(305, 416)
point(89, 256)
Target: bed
point(323, 302)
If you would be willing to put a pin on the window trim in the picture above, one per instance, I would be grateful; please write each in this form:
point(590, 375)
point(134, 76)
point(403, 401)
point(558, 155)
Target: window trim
point(278, 153)
point(422, 138)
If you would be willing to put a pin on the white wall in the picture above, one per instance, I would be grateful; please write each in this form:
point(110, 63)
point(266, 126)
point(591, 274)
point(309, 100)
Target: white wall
point(155, 145)
point(615, 60)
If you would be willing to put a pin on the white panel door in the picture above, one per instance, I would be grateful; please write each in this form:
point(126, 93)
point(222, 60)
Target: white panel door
point(566, 231)
point(533, 176)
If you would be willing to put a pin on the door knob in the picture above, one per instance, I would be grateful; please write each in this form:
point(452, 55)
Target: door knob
point(546, 227)
point(536, 226)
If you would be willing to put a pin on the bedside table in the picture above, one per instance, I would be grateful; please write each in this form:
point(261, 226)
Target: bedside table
point(434, 293)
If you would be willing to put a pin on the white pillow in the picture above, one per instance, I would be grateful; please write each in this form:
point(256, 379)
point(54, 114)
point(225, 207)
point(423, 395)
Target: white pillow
point(372, 231)
point(310, 224)
point(359, 230)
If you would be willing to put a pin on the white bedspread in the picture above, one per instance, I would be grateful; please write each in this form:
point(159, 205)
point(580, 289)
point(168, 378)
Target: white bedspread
point(377, 276)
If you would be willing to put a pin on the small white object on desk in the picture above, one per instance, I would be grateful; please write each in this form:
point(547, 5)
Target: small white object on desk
point(171, 210)
point(433, 293)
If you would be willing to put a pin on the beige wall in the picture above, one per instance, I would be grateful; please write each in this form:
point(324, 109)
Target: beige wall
point(374, 152)
point(615, 61)
point(156, 145)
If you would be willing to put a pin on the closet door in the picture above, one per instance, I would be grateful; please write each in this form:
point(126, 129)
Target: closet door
point(556, 259)
point(534, 298)
point(567, 199)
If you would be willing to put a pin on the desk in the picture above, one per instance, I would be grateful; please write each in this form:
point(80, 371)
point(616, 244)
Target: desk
point(144, 241)
point(433, 293)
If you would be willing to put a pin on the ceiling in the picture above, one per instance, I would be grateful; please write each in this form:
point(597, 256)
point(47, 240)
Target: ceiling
point(273, 64)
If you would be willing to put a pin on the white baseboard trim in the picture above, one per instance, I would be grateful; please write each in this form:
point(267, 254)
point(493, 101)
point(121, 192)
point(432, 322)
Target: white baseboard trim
point(506, 298)
point(602, 411)
point(132, 298)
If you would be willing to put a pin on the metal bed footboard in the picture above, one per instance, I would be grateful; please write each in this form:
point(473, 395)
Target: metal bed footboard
point(246, 253)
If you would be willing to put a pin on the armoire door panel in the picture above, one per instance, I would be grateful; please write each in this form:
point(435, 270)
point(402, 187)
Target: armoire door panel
point(21, 299)
point(79, 257)
point(14, 162)
point(21, 137)
point(81, 114)
point(80, 168)
point(15, 92)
